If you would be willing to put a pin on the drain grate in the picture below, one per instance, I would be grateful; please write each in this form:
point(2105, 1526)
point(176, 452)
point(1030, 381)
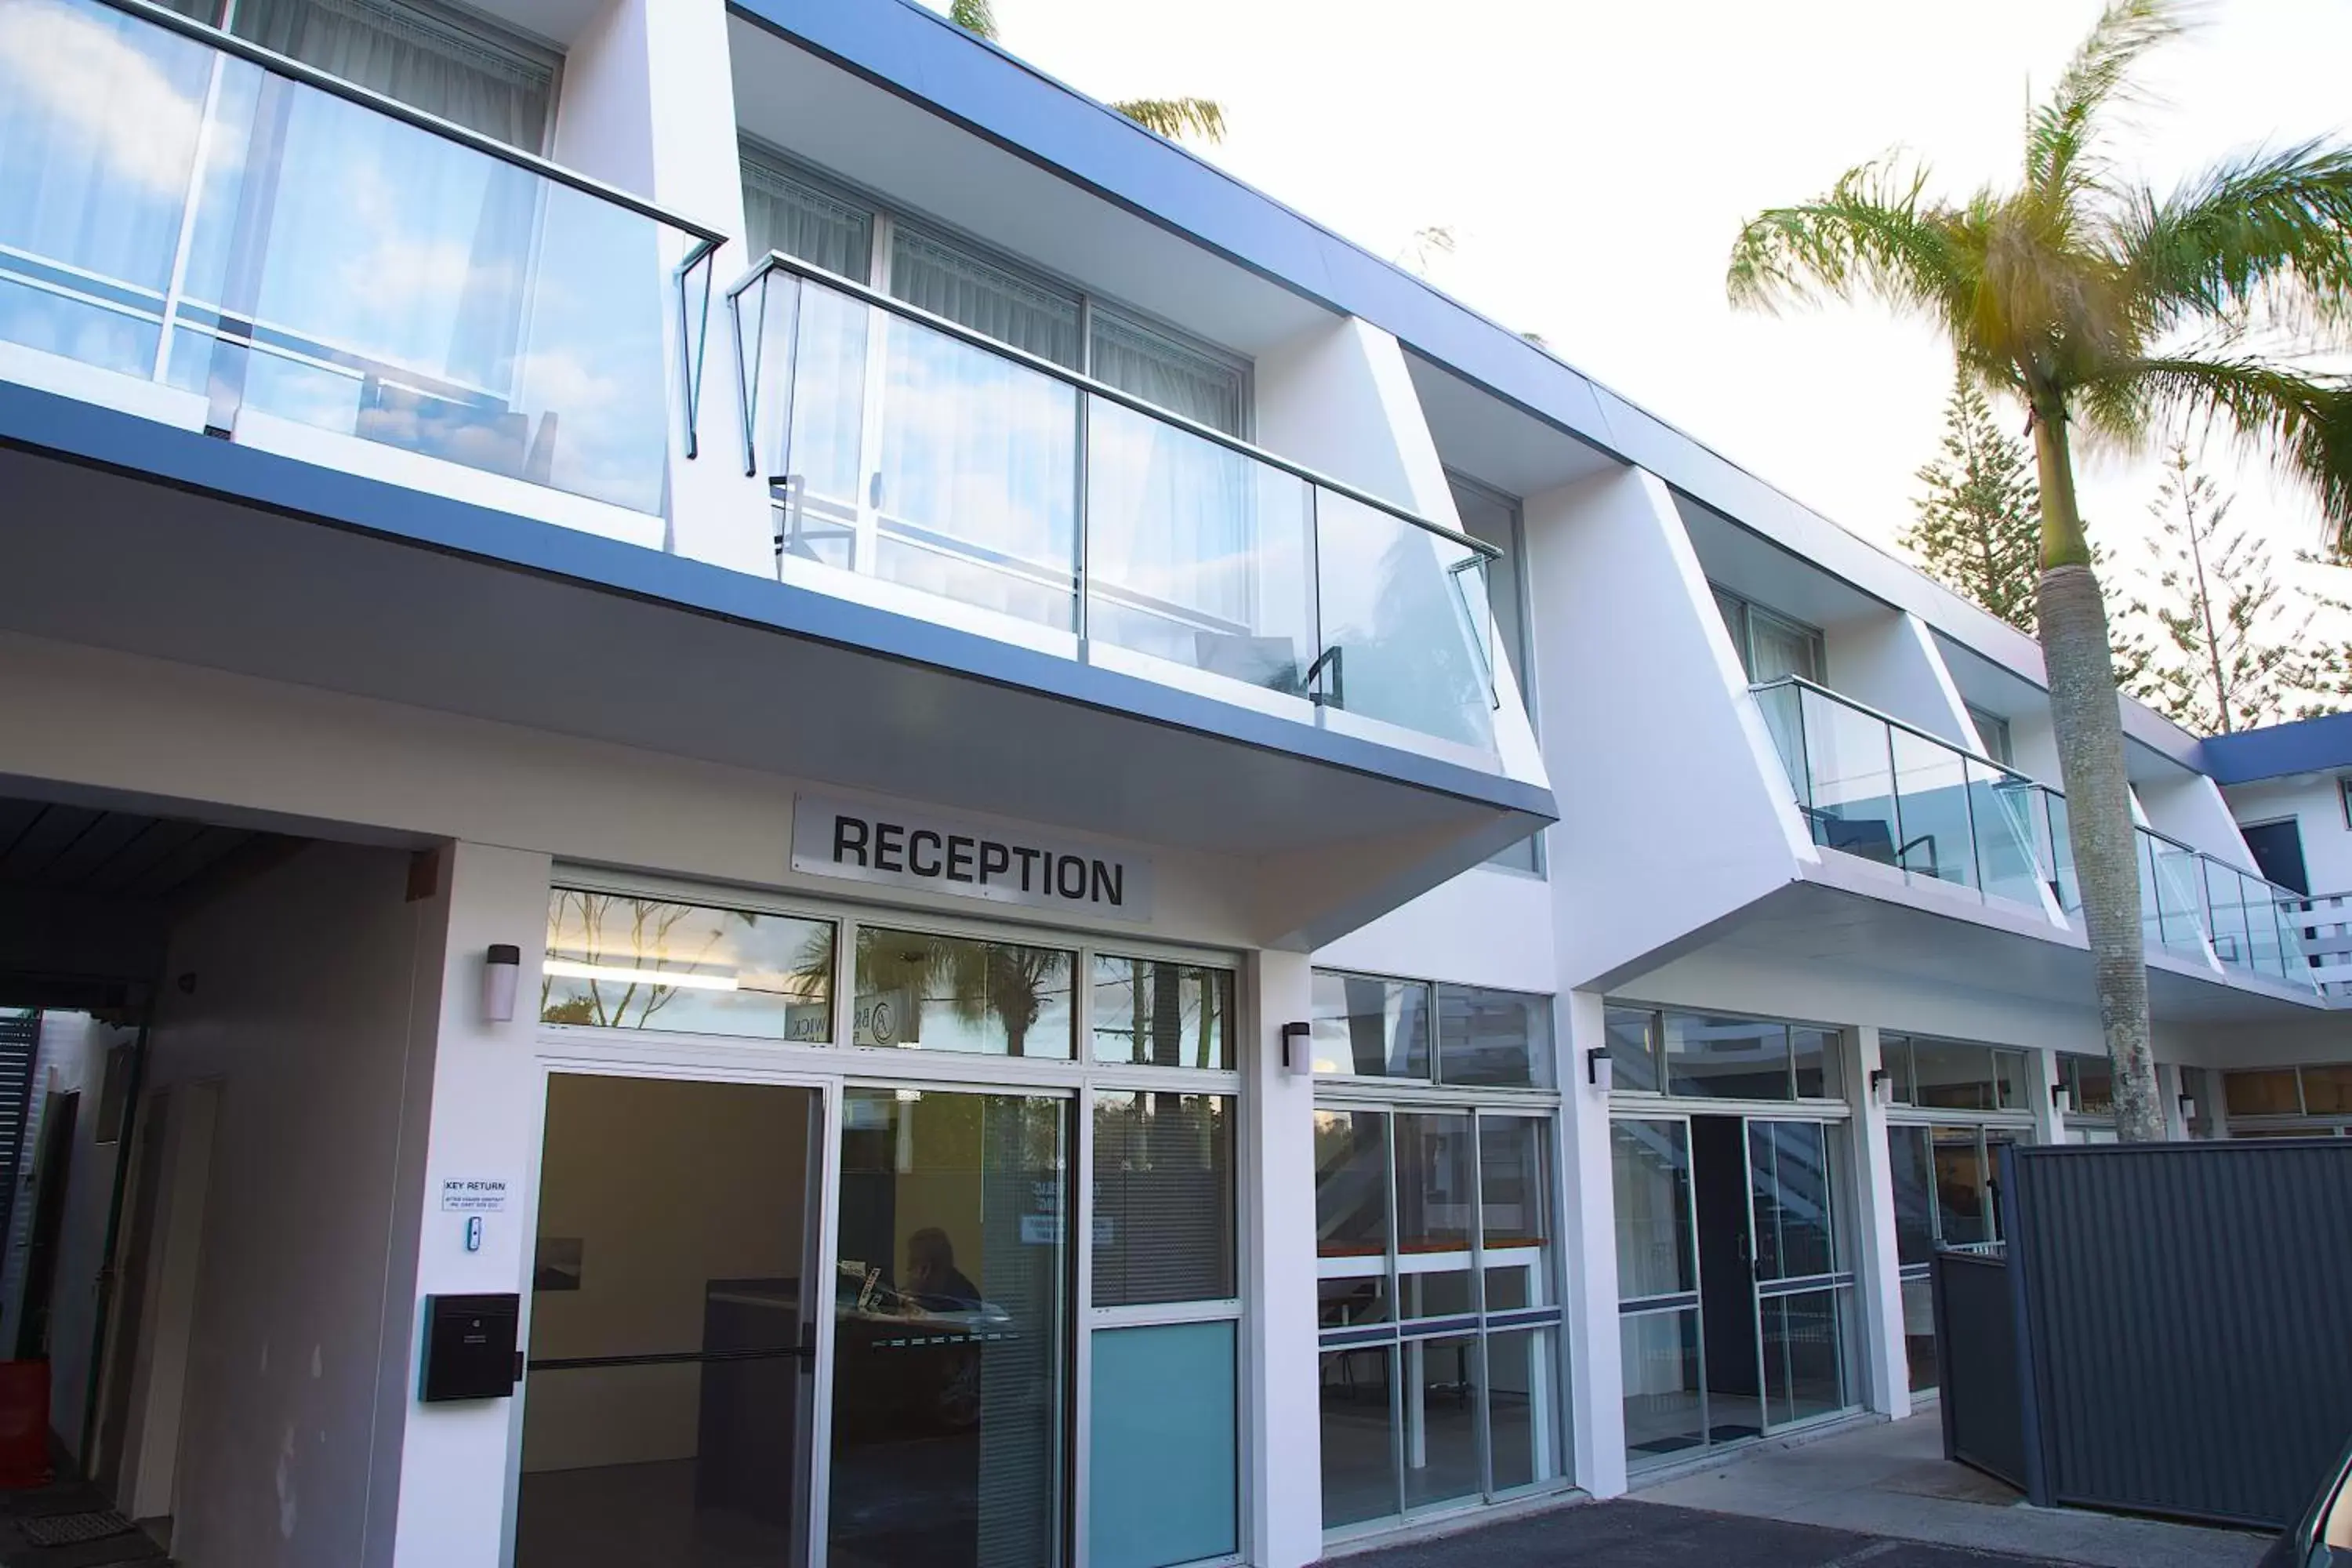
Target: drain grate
point(72, 1529)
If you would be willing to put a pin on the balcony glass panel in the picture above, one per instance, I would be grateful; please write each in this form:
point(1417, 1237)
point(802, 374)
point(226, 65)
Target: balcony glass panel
point(1197, 554)
point(1932, 810)
point(2177, 887)
point(1405, 619)
point(2062, 851)
point(1847, 793)
point(2002, 806)
point(2151, 910)
point(2225, 897)
point(2266, 954)
point(174, 213)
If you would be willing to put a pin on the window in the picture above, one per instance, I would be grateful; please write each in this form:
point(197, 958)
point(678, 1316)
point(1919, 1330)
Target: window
point(1369, 1026)
point(795, 210)
point(1993, 730)
point(619, 962)
point(1157, 1014)
point(1951, 1076)
point(962, 994)
point(1769, 646)
point(1704, 1056)
point(1164, 1216)
point(2320, 1097)
point(2090, 1083)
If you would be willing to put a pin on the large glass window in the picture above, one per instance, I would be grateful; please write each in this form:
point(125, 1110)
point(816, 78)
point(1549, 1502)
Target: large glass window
point(962, 993)
point(618, 960)
point(1371, 1027)
point(1650, 1178)
point(1707, 1057)
point(1769, 646)
point(1946, 1179)
point(1368, 1025)
point(1154, 1013)
point(461, 70)
point(1947, 1075)
point(1489, 1039)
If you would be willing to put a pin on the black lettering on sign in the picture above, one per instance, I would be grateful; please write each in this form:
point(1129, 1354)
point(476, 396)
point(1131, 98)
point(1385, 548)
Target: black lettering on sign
point(1070, 877)
point(959, 855)
point(850, 839)
point(889, 843)
point(995, 859)
point(1029, 858)
point(915, 845)
point(1110, 883)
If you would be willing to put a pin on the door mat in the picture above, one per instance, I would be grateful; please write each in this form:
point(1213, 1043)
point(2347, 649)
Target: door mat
point(72, 1529)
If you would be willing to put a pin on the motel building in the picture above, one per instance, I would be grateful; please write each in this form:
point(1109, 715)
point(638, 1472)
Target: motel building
point(768, 798)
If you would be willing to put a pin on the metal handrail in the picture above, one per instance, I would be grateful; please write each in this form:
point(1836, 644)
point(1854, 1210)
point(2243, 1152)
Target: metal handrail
point(1905, 725)
point(777, 261)
point(367, 98)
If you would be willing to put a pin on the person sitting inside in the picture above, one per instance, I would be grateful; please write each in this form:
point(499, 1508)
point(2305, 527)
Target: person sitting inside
point(933, 1281)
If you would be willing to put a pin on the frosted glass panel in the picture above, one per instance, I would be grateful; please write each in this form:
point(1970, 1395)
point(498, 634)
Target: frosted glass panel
point(1163, 1485)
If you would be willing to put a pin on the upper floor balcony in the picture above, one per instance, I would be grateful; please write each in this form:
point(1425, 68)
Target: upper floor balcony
point(1874, 787)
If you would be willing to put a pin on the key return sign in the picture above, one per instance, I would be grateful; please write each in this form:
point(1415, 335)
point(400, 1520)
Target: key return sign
point(900, 847)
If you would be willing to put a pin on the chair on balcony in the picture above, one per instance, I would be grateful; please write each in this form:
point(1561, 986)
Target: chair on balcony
point(1868, 837)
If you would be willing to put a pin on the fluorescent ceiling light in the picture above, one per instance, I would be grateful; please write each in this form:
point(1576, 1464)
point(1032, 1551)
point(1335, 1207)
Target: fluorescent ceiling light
point(573, 969)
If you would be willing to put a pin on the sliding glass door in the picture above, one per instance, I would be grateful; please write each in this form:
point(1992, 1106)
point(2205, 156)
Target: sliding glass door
point(1804, 1290)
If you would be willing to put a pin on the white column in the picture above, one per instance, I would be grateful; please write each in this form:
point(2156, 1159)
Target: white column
point(1878, 1281)
point(2049, 1122)
point(1596, 1368)
point(452, 1507)
point(1282, 1400)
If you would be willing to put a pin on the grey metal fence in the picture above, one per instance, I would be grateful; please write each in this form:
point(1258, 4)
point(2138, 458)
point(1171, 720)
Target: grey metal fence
point(2180, 1328)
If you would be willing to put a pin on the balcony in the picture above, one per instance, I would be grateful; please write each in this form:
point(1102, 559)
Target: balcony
point(920, 466)
point(1874, 787)
point(203, 232)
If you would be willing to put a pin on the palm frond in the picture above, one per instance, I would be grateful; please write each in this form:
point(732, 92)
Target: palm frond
point(1177, 118)
point(1870, 237)
point(2263, 229)
point(2061, 134)
point(974, 16)
point(2301, 424)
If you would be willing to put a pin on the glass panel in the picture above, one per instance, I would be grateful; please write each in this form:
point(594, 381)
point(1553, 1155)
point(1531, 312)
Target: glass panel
point(1406, 612)
point(935, 274)
point(1931, 786)
point(1726, 1058)
point(2092, 1082)
point(977, 490)
point(1515, 1206)
point(1664, 1407)
point(2268, 957)
point(1803, 1355)
point(1778, 648)
point(1914, 1173)
point(1375, 1028)
point(1633, 1049)
point(916, 989)
point(1493, 1037)
point(2006, 856)
point(1920, 1333)
point(1790, 1186)
point(1895, 1054)
point(1359, 1461)
point(2226, 900)
point(1524, 1435)
point(1163, 1484)
point(1441, 1420)
point(1206, 388)
point(1954, 1077)
point(692, 1247)
point(810, 416)
point(1733, 610)
point(1164, 1218)
point(1196, 554)
point(1963, 1200)
point(1152, 1011)
point(1820, 1060)
point(2328, 1091)
point(1850, 794)
point(1783, 708)
point(616, 962)
point(2270, 1092)
point(1436, 1204)
point(2010, 1080)
point(784, 212)
point(1493, 520)
point(1351, 1184)
point(2062, 852)
point(1650, 1171)
point(2151, 909)
point(947, 1391)
point(410, 54)
point(2178, 890)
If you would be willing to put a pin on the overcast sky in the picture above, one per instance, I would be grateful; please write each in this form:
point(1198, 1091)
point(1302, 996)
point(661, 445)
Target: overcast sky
point(1595, 162)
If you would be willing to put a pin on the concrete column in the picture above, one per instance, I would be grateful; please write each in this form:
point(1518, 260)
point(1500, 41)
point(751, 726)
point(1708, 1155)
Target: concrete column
point(1596, 1368)
point(1283, 1400)
point(2049, 1122)
point(447, 1489)
point(1878, 1284)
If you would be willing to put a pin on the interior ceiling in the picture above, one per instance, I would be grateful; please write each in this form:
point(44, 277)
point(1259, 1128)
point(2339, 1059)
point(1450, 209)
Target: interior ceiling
point(1495, 442)
point(1755, 568)
point(860, 132)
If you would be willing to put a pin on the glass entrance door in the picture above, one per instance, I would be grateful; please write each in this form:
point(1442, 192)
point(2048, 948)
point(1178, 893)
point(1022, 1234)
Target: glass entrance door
point(1802, 1288)
point(670, 1401)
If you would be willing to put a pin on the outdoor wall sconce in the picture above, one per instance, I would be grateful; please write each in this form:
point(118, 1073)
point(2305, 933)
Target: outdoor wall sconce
point(1882, 1085)
point(2188, 1110)
point(500, 968)
point(1300, 1060)
point(2060, 1101)
point(1600, 1069)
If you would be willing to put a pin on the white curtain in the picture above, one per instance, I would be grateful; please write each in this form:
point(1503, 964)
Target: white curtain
point(1779, 647)
point(781, 213)
point(412, 56)
point(934, 276)
point(1166, 374)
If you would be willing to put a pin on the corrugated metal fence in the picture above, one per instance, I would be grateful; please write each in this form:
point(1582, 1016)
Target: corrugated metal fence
point(2180, 1337)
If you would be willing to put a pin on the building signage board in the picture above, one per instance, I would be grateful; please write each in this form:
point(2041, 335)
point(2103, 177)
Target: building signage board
point(894, 847)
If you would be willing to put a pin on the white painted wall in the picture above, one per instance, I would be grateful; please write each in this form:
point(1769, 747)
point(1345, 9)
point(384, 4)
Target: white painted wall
point(303, 994)
point(1487, 927)
point(1889, 661)
point(2190, 808)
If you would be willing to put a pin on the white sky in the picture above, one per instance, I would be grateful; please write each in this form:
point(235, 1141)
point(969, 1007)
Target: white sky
point(1595, 163)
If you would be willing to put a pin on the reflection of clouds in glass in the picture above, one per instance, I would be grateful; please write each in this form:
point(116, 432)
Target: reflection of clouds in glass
point(85, 70)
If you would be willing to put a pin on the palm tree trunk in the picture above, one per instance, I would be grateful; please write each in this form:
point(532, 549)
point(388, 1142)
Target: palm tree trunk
point(2085, 711)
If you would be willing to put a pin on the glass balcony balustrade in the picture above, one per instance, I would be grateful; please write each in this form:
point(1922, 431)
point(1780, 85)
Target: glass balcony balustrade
point(181, 208)
point(908, 450)
point(1873, 786)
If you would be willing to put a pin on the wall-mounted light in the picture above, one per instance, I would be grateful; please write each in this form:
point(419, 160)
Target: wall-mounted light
point(2188, 1110)
point(1882, 1085)
point(2062, 1099)
point(1600, 1069)
point(1297, 1050)
point(500, 968)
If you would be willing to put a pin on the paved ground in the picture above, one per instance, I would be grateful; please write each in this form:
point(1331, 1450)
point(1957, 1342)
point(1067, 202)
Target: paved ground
point(1891, 1478)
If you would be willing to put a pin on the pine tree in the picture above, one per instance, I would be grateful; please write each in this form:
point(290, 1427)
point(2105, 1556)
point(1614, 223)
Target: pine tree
point(1979, 526)
point(2232, 645)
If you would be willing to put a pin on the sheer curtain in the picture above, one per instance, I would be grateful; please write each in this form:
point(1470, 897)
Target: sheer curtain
point(951, 281)
point(411, 56)
point(1779, 647)
point(781, 213)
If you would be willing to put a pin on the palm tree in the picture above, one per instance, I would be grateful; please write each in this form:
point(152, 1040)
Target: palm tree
point(1174, 117)
point(2111, 312)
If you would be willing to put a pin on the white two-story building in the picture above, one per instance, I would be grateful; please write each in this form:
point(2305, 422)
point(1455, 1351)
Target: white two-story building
point(768, 798)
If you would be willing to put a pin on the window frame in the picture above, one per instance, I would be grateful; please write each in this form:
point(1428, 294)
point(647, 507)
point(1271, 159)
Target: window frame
point(1434, 1081)
point(1656, 1033)
point(1743, 642)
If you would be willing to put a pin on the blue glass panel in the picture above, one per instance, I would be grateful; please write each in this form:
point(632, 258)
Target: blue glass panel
point(1163, 1476)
